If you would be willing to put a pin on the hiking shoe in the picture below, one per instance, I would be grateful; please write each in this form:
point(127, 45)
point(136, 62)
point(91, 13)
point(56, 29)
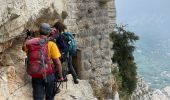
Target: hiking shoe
point(76, 81)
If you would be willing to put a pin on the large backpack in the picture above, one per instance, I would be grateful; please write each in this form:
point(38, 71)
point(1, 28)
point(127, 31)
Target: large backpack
point(38, 63)
point(67, 43)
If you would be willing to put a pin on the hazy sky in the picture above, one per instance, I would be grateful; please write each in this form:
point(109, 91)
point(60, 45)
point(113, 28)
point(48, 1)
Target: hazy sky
point(145, 16)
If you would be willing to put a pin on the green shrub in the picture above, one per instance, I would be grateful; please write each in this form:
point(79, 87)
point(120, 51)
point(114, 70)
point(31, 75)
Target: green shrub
point(103, 2)
point(123, 55)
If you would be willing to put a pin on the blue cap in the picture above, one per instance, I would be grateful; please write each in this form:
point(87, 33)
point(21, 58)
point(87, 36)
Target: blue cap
point(44, 28)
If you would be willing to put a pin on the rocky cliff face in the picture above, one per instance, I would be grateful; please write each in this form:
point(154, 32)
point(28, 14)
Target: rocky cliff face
point(143, 92)
point(90, 20)
point(16, 16)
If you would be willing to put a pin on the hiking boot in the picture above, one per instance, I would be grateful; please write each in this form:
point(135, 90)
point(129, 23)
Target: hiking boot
point(76, 81)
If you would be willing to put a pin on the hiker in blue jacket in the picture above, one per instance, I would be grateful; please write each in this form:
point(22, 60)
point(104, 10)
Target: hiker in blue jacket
point(61, 29)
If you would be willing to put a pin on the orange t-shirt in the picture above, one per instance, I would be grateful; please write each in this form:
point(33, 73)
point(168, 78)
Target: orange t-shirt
point(53, 51)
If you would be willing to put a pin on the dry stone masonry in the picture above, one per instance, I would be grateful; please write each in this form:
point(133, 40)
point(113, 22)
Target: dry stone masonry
point(92, 23)
point(89, 20)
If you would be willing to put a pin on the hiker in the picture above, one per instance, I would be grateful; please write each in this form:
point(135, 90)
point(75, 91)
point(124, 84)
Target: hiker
point(40, 52)
point(61, 29)
point(53, 34)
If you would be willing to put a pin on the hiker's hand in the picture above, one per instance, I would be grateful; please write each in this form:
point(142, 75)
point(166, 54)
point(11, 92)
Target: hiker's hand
point(61, 79)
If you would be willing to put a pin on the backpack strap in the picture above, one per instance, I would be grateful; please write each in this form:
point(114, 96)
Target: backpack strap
point(44, 66)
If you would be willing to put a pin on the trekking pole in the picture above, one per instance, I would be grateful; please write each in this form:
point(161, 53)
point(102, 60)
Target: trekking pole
point(26, 62)
point(67, 57)
point(59, 84)
point(56, 87)
point(62, 85)
point(63, 69)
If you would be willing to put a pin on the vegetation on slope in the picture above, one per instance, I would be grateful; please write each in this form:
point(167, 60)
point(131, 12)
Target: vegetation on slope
point(123, 47)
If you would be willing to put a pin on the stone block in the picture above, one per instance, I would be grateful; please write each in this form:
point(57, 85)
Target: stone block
point(87, 53)
point(86, 65)
point(85, 75)
point(106, 71)
point(86, 42)
point(105, 44)
point(96, 53)
point(96, 63)
point(107, 64)
point(107, 53)
point(94, 41)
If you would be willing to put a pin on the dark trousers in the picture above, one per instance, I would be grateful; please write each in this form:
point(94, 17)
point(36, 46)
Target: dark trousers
point(71, 68)
point(42, 88)
point(68, 59)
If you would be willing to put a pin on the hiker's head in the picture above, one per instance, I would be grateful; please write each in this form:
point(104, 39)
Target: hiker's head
point(60, 26)
point(44, 29)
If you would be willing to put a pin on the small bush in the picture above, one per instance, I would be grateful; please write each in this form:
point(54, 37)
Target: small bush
point(103, 2)
point(98, 91)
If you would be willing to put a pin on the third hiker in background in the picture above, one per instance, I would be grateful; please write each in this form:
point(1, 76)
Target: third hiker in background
point(67, 46)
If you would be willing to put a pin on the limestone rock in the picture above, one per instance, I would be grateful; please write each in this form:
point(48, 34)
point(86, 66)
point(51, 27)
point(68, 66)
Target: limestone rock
point(71, 91)
point(116, 96)
point(24, 93)
point(166, 91)
point(18, 15)
point(144, 92)
point(6, 60)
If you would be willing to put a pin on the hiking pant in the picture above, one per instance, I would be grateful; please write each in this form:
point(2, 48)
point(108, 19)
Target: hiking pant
point(42, 88)
point(71, 68)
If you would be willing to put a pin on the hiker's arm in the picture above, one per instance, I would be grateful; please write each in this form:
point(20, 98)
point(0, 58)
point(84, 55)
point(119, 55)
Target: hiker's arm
point(54, 54)
point(58, 65)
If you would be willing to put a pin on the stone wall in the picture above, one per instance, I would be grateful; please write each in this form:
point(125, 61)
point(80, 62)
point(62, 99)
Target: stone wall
point(92, 23)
